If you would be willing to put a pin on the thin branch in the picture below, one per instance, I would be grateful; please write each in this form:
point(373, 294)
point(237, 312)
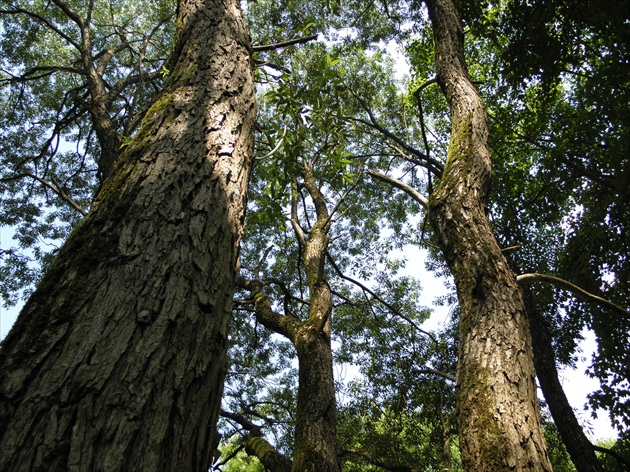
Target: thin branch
point(577, 291)
point(45, 22)
point(48, 69)
point(378, 298)
point(431, 164)
point(612, 453)
point(343, 197)
point(228, 458)
point(261, 262)
point(283, 44)
point(511, 248)
point(412, 192)
point(402, 154)
point(287, 293)
point(259, 64)
point(429, 370)
point(421, 115)
point(55, 187)
point(299, 232)
point(276, 147)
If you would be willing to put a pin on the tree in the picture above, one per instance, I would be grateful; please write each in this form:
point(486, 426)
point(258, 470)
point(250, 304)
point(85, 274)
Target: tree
point(559, 136)
point(497, 402)
point(117, 360)
point(349, 143)
point(74, 90)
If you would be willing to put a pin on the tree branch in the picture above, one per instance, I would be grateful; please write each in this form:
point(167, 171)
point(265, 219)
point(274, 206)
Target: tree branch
point(55, 187)
point(45, 22)
point(299, 232)
point(378, 298)
point(276, 147)
point(283, 44)
point(577, 291)
point(429, 370)
point(258, 447)
point(343, 197)
point(285, 325)
point(433, 165)
point(412, 192)
point(612, 453)
point(244, 422)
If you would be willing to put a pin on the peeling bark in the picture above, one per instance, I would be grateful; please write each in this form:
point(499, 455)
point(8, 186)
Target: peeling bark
point(117, 360)
point(498, 412)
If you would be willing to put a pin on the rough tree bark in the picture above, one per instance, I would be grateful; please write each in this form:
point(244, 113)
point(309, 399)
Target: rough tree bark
point(498, 412)
point(117, 360)
point(316, 419)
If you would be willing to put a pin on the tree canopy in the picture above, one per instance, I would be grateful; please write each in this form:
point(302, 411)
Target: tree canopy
point(353, 157)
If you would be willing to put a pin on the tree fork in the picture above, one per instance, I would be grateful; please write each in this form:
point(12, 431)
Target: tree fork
point(498, 412)
point(117, 360)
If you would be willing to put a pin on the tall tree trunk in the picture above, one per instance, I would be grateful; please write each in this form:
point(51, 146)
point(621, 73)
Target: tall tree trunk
point(578, 446)
point(117, 360)
point(498, 412)
point(316, 419)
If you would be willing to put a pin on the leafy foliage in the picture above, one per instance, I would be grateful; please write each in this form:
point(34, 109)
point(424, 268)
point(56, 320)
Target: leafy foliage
point(78, 79)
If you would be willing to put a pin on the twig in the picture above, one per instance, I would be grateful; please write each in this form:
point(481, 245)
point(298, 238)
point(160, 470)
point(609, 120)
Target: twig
point(511, 248)
point(343, 197)
point(55, 187)
point(276, 147)
point(379, 299)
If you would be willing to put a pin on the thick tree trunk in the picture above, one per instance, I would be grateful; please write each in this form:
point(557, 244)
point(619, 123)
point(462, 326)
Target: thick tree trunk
point(578, 446)
point(498, 412)
point(117, 360)
point(315, 429)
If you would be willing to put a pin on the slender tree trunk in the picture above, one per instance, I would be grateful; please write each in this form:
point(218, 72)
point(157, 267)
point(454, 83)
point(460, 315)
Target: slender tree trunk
point(99, 104)
point(117, 360)
point(316, 419)
point(578, 446)
point(498, 412)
